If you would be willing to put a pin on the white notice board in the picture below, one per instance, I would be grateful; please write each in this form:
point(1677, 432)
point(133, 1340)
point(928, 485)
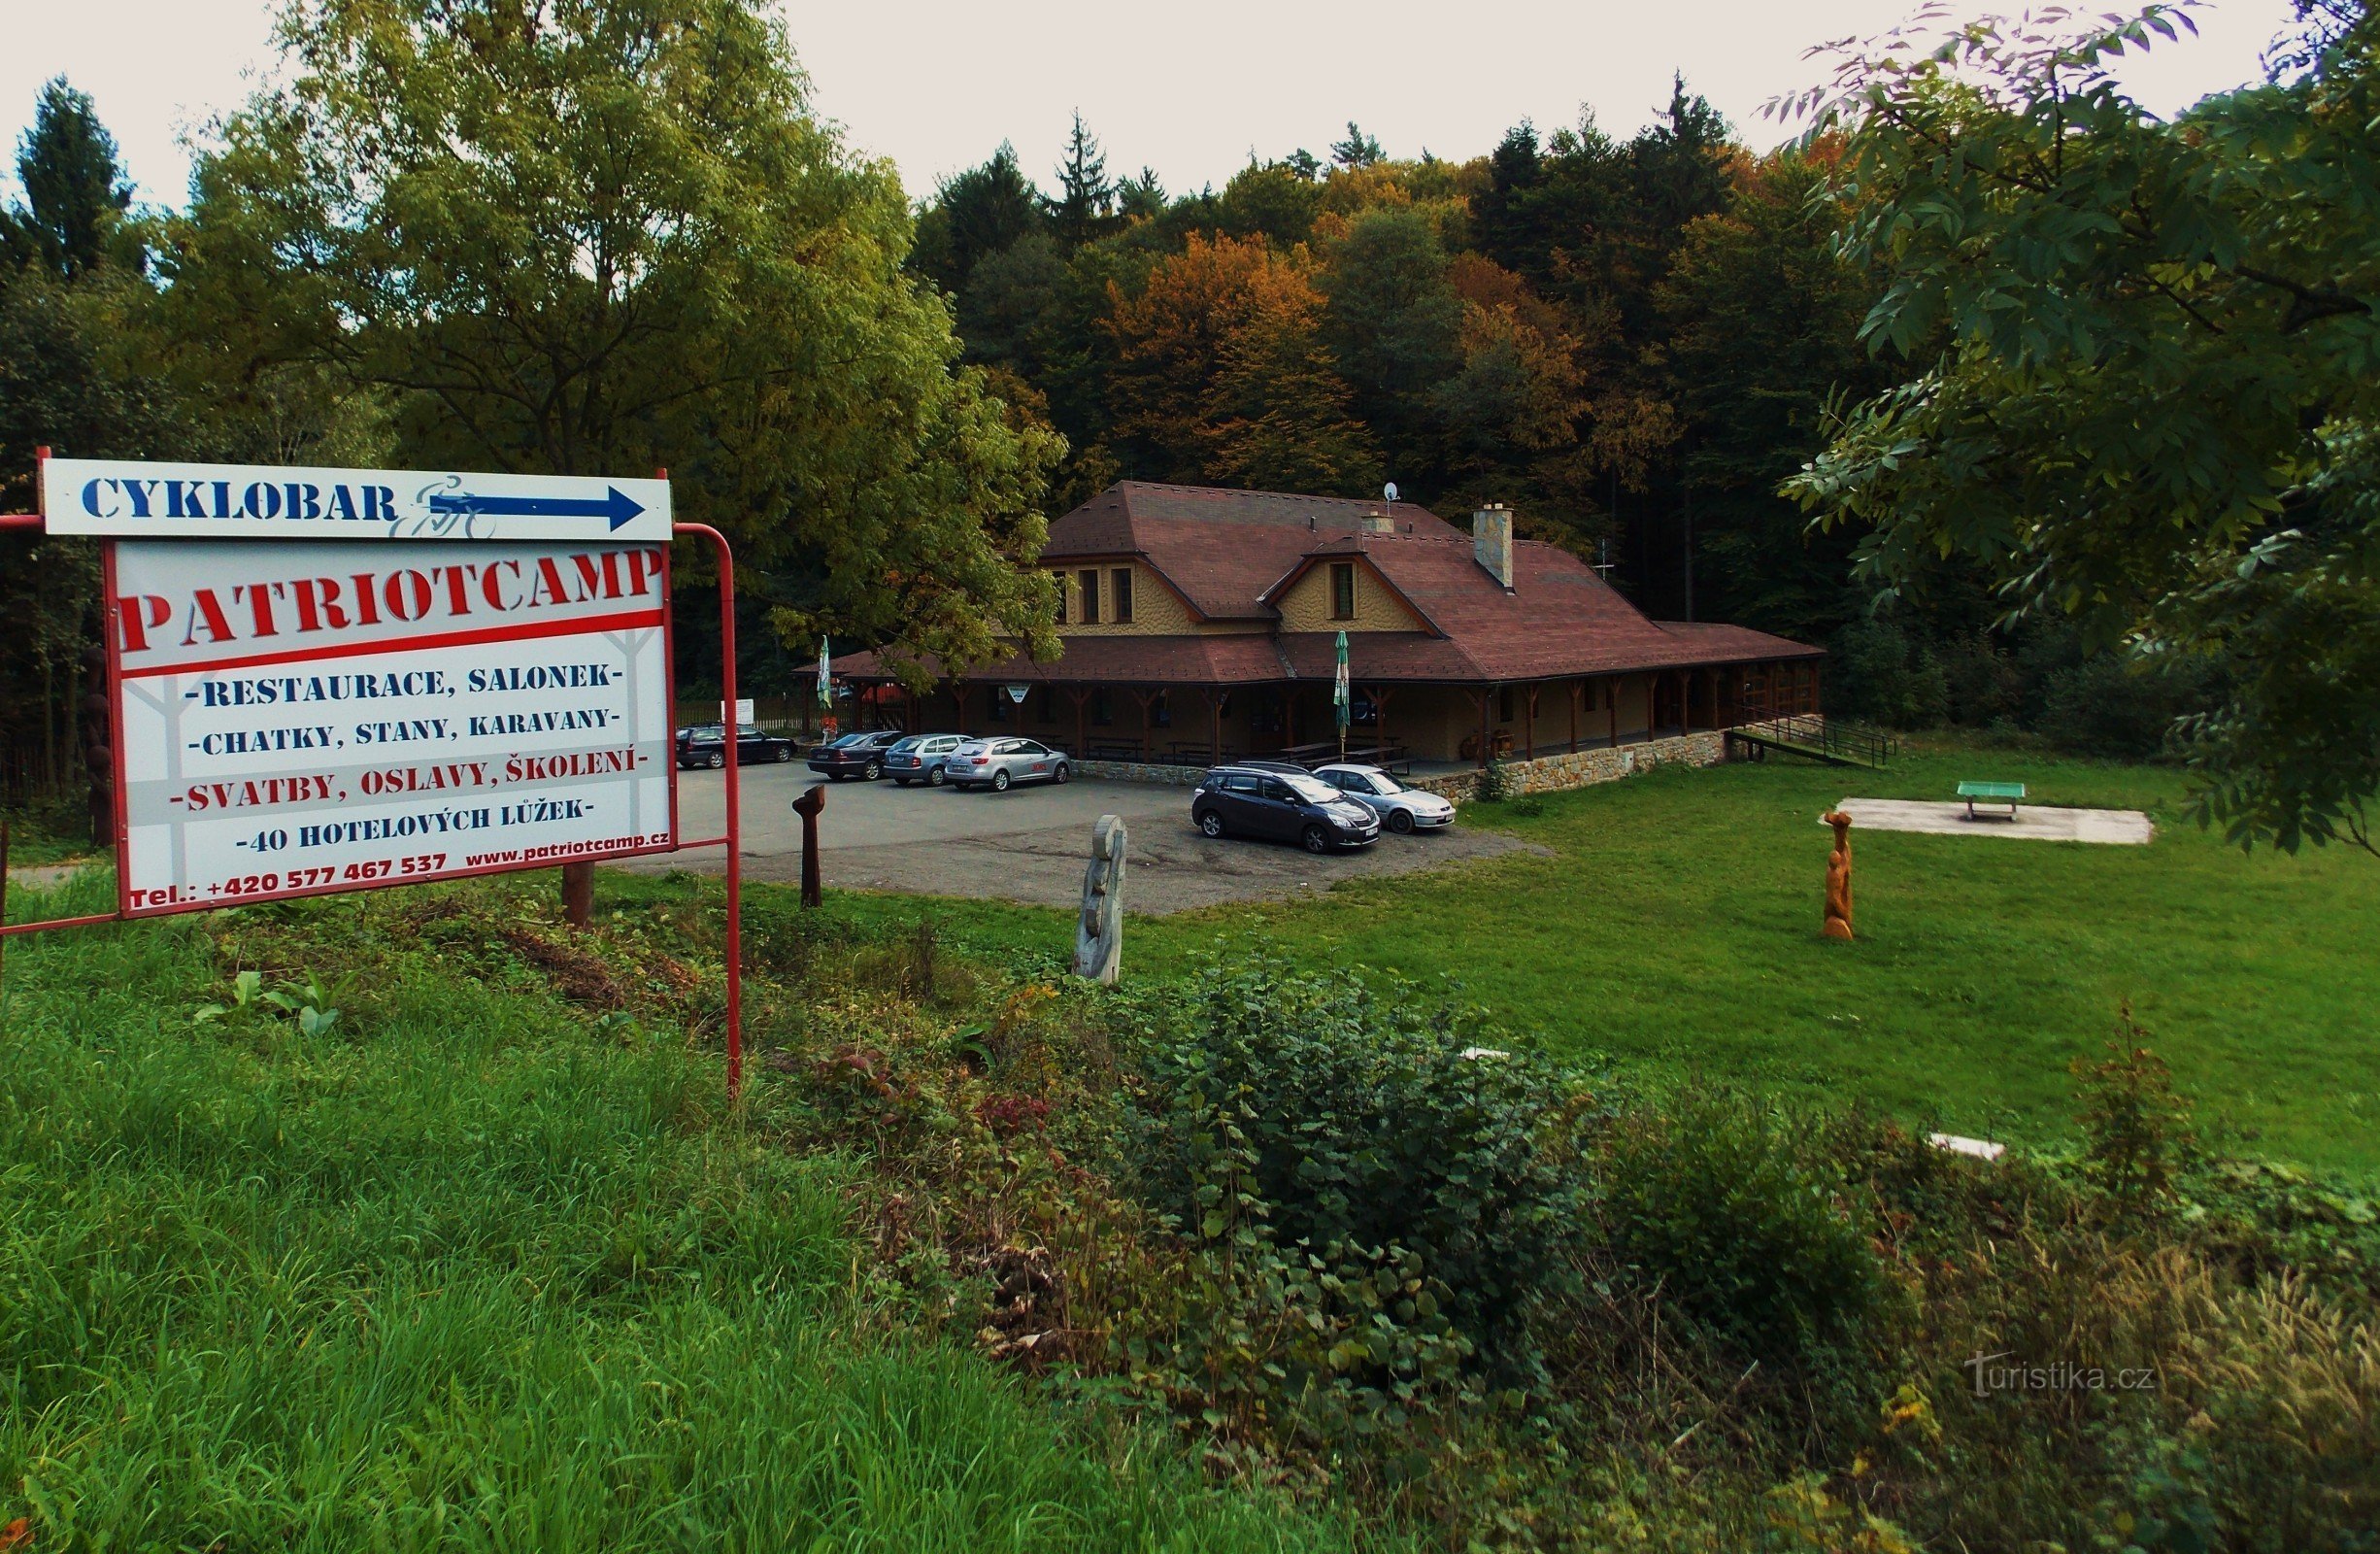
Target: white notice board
point(308, 717)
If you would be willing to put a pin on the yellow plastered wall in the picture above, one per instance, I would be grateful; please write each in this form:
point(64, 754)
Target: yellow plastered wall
point(1306, 606)
point(1157, 611)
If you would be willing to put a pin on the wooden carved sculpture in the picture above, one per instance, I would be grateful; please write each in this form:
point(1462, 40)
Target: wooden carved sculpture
point(1838, 877)
point(1099, 935)
point(806, 807)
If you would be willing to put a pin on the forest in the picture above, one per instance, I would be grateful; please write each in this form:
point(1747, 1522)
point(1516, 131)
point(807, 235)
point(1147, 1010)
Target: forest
point(2043, 414)
point(1631, 340)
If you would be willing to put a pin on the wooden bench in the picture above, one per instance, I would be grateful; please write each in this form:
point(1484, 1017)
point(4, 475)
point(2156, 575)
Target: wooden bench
point(1992, 794)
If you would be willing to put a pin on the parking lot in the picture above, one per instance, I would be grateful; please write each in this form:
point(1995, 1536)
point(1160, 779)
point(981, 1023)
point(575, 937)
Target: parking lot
point(1029, 844)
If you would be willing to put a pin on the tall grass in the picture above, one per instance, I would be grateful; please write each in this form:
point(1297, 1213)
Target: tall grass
point(464, 1273)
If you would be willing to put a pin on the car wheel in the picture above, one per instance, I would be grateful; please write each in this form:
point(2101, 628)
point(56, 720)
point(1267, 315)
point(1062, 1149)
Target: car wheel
point(785, 753)
point(999, 782)
point(1210, 824)
point(870, 772)
point(1317, 839)
point(1400, 821)
point(717, 761)
point(1061, 774)
point(936, 778)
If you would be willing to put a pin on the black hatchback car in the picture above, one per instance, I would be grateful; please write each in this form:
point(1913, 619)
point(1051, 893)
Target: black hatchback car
point(860, 755)
point(707, 746)
point(1281, 806)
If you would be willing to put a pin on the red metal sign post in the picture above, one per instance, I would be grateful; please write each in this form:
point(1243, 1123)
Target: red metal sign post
point(316, 881)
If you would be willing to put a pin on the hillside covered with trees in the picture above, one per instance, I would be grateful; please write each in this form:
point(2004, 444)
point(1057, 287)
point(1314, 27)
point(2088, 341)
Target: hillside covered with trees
point(1631, 339)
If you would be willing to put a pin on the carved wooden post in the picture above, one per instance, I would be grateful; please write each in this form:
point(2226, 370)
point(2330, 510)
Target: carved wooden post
point(1838, 877)
point(806, 807)
point(1098, 935)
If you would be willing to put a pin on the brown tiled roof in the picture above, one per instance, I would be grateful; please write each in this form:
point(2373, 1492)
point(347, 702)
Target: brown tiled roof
point(1221, 549)
point(1227, 551)
point(1249, 658)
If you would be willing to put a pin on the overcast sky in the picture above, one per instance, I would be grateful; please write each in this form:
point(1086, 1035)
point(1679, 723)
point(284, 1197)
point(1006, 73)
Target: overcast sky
point(1188, 89)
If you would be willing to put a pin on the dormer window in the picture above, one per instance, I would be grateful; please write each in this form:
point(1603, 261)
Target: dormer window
point(1091, 596)
point(1121, 594)
point(1342, 591)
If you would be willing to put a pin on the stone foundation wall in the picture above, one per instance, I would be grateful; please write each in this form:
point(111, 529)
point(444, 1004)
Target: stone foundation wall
point(1551, 774)
point(1135, 771)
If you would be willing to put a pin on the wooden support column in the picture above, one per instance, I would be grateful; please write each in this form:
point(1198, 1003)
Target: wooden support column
point(1081, 695)
point(1572, 698)
point(1380, 712)
point(1487, 730)
point(958, 699)
point(1529, 725)
point(1146, 699)
point(1214, 723)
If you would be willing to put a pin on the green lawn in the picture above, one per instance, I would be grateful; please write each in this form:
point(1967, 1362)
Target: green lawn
point(470, 1271)
point(1676, 922)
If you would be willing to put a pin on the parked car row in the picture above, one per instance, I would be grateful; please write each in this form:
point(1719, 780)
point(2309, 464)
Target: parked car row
point(1323, 809)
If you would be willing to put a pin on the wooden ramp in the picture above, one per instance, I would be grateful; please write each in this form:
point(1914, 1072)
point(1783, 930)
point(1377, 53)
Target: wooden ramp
point(1825, 740)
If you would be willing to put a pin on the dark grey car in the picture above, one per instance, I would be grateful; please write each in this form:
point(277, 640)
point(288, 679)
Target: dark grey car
point(1281, 806)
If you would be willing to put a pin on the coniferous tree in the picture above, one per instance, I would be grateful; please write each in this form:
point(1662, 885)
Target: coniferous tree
point(75, 196)
point(979, 213)
point(1086, 203)
point(1357, 150)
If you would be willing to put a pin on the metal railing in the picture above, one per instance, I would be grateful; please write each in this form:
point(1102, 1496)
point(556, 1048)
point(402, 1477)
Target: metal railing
point(1828, 737)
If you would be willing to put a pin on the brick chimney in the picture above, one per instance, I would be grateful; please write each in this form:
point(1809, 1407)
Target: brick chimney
point(1491, 542)
point(1378, 522)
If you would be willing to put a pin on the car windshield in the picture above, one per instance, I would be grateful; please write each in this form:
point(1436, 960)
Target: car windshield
point(907, 745)
point(1312, 790)
point(846, 740)
point(1383, 783)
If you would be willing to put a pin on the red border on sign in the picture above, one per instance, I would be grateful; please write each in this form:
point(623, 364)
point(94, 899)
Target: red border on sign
point(116, 675)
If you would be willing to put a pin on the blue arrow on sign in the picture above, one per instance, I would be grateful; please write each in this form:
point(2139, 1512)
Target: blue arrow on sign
point(614, 505)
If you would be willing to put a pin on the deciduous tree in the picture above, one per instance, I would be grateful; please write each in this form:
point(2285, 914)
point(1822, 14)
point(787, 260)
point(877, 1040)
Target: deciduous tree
point(2144, 363)
point(600, 238)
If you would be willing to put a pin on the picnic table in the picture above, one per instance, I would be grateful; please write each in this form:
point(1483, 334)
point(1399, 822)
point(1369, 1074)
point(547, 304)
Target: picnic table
point(1992, 794)
point(1325, 753)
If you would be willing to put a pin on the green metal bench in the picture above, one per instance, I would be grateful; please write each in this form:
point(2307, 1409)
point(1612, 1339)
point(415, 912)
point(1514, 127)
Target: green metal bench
point(1992, 794)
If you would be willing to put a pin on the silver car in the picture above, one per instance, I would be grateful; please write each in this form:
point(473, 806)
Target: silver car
point(999, 764)
point(919, 759)
point(1400, 808)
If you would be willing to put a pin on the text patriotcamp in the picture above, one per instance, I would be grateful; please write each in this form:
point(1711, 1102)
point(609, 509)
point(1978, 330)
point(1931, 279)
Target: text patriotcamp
point(299, 718)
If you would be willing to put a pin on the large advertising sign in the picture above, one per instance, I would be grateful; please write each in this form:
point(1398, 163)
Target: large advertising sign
point(315, 716)
point(168, 500)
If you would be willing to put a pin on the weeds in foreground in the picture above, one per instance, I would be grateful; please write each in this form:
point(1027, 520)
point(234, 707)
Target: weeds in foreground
point(1332, 1236)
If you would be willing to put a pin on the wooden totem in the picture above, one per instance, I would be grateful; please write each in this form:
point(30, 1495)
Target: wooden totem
point(1838, 877)
point(806, 807)
point(1098, 935)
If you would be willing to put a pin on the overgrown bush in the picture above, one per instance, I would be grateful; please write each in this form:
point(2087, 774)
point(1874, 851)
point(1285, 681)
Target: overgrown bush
point(1880, 674)
point(1363, 1120)
point(1740, 1218)
point(2120, 708)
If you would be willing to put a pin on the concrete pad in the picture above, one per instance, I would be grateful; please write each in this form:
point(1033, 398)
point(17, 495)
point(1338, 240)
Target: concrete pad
point(2033, 823)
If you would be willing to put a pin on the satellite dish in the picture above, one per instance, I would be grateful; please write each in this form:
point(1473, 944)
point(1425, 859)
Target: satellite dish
point(1391, 493)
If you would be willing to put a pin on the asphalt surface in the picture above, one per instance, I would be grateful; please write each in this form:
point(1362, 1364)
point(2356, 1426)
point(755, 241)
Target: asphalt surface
point(1029, 844)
